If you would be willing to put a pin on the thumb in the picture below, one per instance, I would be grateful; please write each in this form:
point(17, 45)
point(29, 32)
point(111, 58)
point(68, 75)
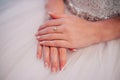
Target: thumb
point(56, 15)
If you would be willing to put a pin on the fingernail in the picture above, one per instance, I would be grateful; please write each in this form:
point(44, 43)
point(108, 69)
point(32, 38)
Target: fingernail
point(40, 27)
point(38, 57)
point(49, 12)
point(53, 69)
point(37, 39)
point(46, 65)
point(61, 67)
point(42, 42)
point(38, 36)
point(74, 50)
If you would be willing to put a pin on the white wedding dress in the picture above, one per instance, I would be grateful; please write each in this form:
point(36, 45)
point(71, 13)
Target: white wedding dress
point(19, 21)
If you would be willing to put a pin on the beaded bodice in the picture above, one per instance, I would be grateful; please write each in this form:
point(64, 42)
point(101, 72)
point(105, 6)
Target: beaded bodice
point(94, 10)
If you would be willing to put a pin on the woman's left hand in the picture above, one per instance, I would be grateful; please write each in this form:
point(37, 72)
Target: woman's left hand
point(68, 31)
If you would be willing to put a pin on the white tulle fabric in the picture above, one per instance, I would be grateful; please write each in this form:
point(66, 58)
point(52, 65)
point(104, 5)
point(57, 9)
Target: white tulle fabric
point(19, 21)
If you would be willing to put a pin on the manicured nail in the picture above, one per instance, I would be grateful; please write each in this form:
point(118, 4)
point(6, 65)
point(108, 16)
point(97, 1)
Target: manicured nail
point(42, 42)
point(40, 28)
point(38, 36)
point(38, 57)
point(53, 69)
point(74, 49)
point(61, 67)
point(50, 12)
point(46, 65)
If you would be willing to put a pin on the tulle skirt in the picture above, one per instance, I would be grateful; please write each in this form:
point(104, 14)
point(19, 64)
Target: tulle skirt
point(19, 21)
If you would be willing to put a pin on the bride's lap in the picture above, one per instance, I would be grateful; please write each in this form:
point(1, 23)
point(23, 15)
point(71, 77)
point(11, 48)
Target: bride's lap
point(100, 61)
point(19, 21)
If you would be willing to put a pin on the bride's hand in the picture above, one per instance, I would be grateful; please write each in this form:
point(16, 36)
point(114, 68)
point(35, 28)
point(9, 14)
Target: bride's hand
point(53, 57)
point(68, 31)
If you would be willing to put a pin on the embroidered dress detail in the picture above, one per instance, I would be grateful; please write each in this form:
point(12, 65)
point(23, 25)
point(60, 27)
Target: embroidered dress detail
point(94, 10)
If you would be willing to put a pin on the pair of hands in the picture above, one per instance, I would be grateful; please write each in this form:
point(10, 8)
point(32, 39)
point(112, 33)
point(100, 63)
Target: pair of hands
point(71, 32)
point(54, 57)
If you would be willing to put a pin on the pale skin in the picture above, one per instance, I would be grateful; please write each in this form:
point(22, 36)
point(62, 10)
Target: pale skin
point(53, 56)
point(74, 32)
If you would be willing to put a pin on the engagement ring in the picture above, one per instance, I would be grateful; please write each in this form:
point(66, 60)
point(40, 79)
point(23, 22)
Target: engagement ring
point(54, 29)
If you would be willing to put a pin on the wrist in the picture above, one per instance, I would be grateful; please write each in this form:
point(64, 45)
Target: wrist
point(108, 30)
point(56, 6)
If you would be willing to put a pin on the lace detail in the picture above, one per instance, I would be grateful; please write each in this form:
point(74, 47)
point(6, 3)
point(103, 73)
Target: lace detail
point(94, 10)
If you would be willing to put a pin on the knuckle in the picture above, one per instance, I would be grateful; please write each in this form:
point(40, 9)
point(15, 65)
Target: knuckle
point(62, 52)
point(55, 43)
point(46, 36)
point(46, 43)
point(47, 30)
point(64, 28)
point(63, 20)
point(38, 33)
point(63, 58)
point(53, 51)
point(42, 38)
point(48, 23)
point(66, 20)
point(50, 36)
point(51, 43)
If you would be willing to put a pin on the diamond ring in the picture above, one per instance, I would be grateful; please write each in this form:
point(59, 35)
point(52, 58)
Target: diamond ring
point(54, 28)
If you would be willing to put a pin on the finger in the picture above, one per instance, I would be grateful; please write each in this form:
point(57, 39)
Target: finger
point(39, 51)
point(54, 59)
point(62, 57)
point(46, 56)
point(57, 43)
point(54, 36)
point(56, 15)
point(73, 49)
point(53, 22)
point(49, 30)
